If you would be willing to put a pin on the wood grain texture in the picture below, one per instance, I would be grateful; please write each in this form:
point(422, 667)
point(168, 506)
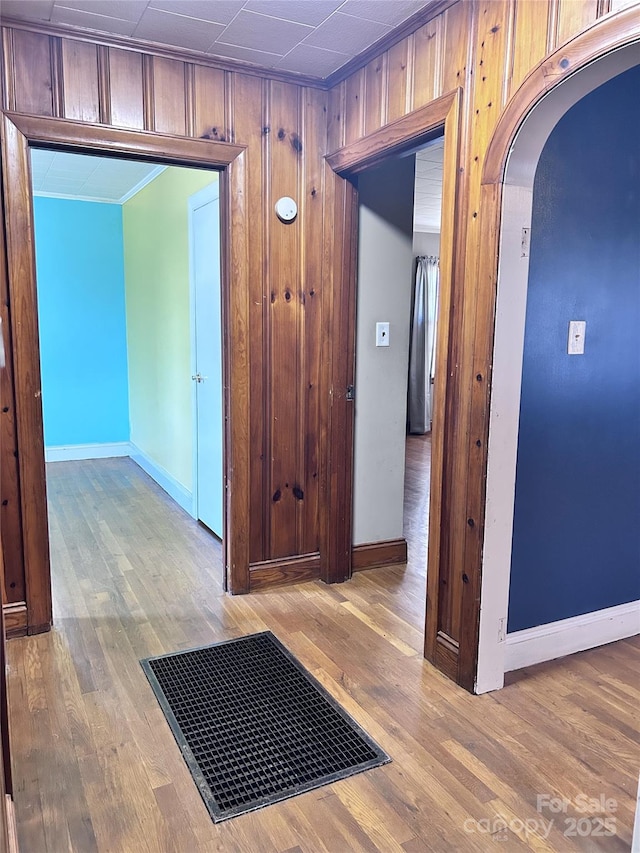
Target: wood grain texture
point(13, 587)
point(375, 554)
point(169, 102)
point(285, 482)
point(126, 89)
point(29, 72)
point(400, 79)
point(26, 371)
point(476, 52)
point(375, 96)
point(427, 62)
point(80, 81)
point(97, 768)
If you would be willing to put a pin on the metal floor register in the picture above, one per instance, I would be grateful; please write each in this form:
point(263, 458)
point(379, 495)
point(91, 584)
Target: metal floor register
point(254, 726)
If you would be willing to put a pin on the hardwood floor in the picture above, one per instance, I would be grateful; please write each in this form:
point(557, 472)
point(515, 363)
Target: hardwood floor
point(97, 769)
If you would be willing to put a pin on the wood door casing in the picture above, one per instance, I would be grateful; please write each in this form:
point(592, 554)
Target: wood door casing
point(19, 133)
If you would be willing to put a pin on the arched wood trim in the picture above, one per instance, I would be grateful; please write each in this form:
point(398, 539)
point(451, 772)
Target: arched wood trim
point(19, 133)
point(605, 35)
point(609, 34)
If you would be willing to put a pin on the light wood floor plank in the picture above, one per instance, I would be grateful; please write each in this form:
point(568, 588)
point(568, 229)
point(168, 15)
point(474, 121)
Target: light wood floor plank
point(97, 769)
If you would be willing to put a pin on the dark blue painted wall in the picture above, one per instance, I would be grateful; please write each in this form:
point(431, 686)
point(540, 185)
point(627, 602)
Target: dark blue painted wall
point(81, 313)
point(576, 539)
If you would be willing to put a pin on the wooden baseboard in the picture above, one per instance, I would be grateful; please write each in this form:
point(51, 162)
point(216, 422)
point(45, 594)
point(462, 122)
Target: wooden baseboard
point(372, 555)
point(284, 571)
point(15, 619)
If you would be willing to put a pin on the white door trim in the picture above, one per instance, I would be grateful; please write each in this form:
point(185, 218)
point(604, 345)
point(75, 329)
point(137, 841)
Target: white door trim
point(509, 349)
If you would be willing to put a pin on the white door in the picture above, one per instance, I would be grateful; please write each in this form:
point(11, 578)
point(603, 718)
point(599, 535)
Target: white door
point(204, 231)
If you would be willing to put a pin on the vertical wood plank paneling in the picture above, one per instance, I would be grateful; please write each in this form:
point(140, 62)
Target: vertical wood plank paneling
point(354, 107)
point(126, 88)
point(427, 62)
point(457, 35)
point(283, 241)
point(375, 94)
point(399, 80)
point(32, 73)
point(573, 17)
point(81, 97)
point(492, 37)
point(248, 125)
point(314, 141)
point(529, 39)
point(335, 129)
point(209, 104)
point(169, 96)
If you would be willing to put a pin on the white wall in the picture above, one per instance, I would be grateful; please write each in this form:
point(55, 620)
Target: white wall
point(385, 273)
point(425, 243)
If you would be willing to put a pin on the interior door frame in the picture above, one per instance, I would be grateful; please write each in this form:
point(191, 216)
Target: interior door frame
point(20, 133)
point(398, 137)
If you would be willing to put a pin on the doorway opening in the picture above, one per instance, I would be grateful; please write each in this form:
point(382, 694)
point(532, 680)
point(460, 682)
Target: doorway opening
point(396, 304)
point(119, 249)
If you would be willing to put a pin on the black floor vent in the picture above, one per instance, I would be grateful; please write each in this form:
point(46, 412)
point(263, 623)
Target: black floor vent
point(254, 726)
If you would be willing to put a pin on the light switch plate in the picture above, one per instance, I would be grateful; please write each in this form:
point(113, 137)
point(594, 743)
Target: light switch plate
point(577, 332)
point(382, 334)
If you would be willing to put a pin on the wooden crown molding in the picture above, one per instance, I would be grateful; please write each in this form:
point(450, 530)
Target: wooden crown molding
point(419, 19)
point(182, 54)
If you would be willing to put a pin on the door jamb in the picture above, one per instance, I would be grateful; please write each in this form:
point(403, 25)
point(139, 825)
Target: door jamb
point(398, 137)
point(20, 132)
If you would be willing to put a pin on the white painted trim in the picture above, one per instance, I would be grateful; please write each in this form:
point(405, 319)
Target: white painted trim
point(567, 636)
point(129, 194)
point(153, 174)
point(65, 453)
point(635, 841)
point(163, 478)
point(204, 196)
point(76, 197)
point(508, 353)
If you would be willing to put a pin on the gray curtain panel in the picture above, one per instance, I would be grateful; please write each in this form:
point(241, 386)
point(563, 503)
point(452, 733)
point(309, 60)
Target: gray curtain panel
point(422, 346)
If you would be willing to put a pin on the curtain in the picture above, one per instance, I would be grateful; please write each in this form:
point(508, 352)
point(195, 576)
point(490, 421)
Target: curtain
point(422, 346)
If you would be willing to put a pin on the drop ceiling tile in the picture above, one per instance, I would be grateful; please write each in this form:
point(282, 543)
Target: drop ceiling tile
point(79, 18)
point(219, 11)
point(167, 28)
point(385, 13)
point(31, 10)
point(126, 10)
point(313, 60)
point(346, 34)
point(311, 12)
point(256, 57)
point(259, 32)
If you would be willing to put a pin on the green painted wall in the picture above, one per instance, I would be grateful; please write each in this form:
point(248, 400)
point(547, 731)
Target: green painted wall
point(156, 263)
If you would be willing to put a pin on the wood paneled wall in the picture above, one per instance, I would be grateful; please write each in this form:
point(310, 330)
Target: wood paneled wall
point(283, 126)
point(299, 350)
point(486, 49)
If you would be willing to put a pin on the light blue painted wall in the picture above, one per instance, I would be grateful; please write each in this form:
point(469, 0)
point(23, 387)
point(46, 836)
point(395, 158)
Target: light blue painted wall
point(81, 311)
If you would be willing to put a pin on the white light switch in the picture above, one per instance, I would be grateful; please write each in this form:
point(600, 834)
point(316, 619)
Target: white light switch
point(382, 334)
point(577, 332)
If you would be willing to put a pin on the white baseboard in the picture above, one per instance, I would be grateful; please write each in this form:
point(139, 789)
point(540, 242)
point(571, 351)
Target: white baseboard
point(66, 453)
point(183, 497)
point(567, 636)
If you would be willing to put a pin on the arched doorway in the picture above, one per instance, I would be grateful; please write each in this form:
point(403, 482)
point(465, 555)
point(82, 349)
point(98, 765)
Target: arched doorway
point(510, 168)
